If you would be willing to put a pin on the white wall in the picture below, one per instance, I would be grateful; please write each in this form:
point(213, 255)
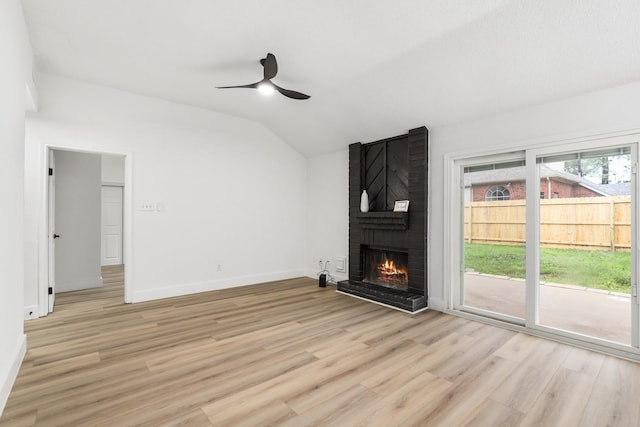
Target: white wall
point(112, 170)
point(602, 112)
point(233, 192)
point(78, 220)
point(328, 212)
point(14, 73)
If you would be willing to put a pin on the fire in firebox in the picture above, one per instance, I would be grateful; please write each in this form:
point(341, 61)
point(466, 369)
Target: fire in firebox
point(388, 272)
point(386, 268)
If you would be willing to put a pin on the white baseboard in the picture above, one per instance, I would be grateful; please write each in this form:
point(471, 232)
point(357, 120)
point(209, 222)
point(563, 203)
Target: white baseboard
point(9, 373)
point(437, 304)
point(31, 312)
point(213, 285)
point(78, 285)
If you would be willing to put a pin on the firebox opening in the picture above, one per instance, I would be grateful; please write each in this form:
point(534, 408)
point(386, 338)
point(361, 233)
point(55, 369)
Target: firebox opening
point(386, 268)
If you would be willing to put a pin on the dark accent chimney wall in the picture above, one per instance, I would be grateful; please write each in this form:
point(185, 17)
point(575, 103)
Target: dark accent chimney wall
point(395, 169)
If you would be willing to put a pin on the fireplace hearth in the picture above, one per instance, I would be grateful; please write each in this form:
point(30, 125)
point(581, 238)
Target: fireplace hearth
point(387, 249)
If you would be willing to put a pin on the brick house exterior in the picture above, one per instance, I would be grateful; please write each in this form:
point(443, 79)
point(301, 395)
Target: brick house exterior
point(559, 190)
point(509, 184)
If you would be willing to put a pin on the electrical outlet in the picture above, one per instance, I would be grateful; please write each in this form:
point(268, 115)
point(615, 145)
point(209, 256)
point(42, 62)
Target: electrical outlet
point(341, 265)
point(219, 267)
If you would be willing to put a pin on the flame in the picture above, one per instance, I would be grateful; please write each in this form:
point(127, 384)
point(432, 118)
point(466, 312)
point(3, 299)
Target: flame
point(389, 268)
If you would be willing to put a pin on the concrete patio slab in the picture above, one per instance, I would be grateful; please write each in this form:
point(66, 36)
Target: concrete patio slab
point(597, 313)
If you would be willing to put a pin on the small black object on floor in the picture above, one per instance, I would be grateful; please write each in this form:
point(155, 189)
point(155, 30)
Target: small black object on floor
point(322, 281)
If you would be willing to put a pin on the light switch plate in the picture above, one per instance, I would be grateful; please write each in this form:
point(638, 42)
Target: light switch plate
point(147, 207)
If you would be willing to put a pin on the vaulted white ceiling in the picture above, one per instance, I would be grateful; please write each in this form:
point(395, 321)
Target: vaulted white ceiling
point(373, 68)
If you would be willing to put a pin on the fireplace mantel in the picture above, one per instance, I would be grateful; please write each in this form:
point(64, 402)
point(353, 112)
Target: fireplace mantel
point(384, 220)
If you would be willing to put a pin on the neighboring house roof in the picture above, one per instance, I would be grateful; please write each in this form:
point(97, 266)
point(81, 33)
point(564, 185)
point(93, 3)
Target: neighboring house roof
point(618, 189)
point(499, 176)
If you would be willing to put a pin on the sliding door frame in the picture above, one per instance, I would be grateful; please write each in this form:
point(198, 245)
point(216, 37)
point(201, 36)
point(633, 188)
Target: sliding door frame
point(533, 237)
point(458, 290)
point(454, 232)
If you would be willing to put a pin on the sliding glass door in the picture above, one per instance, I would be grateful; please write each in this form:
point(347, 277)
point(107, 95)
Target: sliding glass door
point(584, 247)
point(494, 239)
point(548, 241)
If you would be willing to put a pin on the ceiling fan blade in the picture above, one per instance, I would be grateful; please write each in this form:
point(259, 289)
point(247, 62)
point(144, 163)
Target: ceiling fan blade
point(250, 86)
point(270, 66)
point(290, 93)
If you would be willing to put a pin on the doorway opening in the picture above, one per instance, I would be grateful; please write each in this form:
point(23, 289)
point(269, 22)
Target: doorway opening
point(83, 251)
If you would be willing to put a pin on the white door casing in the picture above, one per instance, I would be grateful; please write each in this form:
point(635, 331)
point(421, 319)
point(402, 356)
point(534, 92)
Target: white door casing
point(51, 226)
point(111, 252)
point(45, 245)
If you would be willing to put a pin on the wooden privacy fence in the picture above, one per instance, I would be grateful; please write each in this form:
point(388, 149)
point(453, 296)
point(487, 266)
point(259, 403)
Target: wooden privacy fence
point(602, 223)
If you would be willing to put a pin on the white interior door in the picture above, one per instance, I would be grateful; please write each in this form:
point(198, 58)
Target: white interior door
point(51, 224)
point(111, 225)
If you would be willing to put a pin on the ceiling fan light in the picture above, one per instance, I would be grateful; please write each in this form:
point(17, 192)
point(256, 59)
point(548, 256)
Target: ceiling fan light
point(266, 89)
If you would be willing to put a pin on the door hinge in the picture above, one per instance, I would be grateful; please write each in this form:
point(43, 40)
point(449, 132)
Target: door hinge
point(50, 290)
point(50, 171)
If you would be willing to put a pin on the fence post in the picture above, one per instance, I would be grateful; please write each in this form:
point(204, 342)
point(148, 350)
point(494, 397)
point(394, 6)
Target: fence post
point(612, 229)
point(470, 223)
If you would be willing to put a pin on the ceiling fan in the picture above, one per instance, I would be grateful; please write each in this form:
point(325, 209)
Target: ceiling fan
point(266, 86)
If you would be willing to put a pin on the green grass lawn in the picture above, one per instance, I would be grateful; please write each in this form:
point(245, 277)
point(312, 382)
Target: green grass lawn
point(592, 269)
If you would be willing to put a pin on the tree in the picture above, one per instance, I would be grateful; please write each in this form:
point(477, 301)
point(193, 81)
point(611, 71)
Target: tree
point(605, 170)
point(592, 168)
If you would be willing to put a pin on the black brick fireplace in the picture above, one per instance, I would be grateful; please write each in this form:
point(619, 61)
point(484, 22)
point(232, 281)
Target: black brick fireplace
point(388, 250)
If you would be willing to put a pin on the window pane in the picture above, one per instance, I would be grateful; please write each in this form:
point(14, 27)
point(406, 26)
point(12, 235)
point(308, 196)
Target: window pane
point(585, 242)
point(494, 233)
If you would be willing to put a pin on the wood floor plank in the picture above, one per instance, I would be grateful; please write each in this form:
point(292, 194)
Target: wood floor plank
point(302, 383)
point(584, 361)
point(518, 348)
point(485, 344)
point(460, 402)
point(614, 401)
point(402, 403)
point(290, 353)
point(347, 408)
point(402, 368)
point(563, 401)
point(528, 381)
point(492, 414)
point(326, 386)
point(274, 413)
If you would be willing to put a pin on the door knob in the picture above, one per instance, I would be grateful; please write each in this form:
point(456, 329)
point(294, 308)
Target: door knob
point(55, 236)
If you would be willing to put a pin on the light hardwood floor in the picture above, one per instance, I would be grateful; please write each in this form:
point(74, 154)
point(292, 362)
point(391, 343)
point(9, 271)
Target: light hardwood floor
point(289, 353)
